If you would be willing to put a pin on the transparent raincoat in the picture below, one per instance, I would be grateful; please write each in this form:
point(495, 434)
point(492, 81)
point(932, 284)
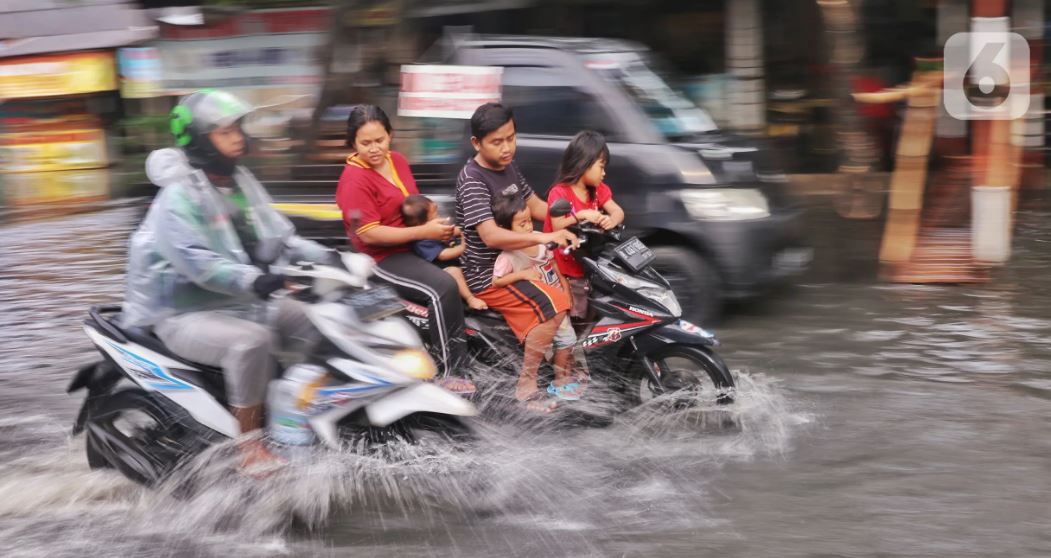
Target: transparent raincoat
point(186, 255)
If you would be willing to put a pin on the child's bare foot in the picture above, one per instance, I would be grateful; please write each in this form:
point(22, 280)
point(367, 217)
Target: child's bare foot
point(476, 303)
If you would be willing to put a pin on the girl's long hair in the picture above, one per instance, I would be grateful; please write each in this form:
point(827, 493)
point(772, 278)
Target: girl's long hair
point(586, 148)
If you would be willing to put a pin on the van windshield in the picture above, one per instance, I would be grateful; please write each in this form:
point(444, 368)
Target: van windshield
point(632, 72)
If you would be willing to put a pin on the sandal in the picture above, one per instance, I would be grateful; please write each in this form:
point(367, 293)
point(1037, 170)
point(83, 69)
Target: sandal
point(569, 392)
point(537, 403)
point(458, 385)
point(258, 462)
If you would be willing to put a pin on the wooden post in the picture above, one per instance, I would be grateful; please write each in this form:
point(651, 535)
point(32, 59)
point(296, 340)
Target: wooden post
point(910, 169)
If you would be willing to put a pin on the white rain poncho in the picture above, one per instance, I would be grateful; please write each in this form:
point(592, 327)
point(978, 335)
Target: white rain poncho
point(186, 255)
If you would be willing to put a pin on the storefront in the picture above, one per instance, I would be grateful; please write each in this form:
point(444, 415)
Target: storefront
point(271, 58)
point(54, 126)
point(265, 56)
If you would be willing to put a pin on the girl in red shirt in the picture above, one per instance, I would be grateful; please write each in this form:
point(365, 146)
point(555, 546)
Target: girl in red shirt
point(580, 182)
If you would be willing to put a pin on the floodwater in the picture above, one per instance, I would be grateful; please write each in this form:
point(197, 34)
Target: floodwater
point(872, 420)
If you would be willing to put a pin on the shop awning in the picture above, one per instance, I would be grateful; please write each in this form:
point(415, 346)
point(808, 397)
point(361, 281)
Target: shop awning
point(47, 26)
point(440, 8)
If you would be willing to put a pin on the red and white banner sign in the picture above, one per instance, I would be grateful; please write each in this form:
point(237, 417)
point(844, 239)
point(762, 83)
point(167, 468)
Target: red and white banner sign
point(254, 22)
point(447, 91)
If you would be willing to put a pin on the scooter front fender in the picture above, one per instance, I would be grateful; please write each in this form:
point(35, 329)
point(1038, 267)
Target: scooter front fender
point(420, 398)
point(680, 332)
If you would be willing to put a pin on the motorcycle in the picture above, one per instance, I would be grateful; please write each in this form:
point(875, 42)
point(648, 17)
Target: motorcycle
point(639, 343)
point(148, 410)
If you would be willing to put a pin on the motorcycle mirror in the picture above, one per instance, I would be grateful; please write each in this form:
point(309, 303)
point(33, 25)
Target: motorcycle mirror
point(560, 208)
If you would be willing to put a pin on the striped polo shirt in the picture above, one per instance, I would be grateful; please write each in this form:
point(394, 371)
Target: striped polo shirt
point(476, 188)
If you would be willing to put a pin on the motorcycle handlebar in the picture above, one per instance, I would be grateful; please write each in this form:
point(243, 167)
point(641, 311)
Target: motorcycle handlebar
point(565, 251)
point(585, 228)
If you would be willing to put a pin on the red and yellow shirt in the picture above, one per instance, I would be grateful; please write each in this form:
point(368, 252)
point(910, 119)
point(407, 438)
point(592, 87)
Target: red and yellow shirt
point(369, 200)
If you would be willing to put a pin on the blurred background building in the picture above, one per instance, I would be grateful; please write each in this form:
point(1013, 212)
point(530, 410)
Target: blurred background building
point(60, 100)
point(758, 67)
point(834, 89)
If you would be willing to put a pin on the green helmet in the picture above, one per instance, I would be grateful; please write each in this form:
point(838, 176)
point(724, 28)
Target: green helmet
point(198, 114)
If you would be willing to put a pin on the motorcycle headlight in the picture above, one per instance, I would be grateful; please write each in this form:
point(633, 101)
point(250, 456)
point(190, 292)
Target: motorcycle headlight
point(725, 204)
point(665, 297)
point(633, 283)
point(657, 293)
point(413, 363)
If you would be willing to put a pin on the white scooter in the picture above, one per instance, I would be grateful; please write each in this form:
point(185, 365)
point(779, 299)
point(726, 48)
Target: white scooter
point(147, 410)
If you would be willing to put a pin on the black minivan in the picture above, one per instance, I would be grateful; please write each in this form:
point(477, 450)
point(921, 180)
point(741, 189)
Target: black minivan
point(711, 206)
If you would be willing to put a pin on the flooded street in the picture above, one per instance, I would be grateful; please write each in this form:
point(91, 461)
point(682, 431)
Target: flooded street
point(874, 420)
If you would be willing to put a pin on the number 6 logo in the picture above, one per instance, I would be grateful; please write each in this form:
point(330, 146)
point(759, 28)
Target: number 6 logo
point(986, 74)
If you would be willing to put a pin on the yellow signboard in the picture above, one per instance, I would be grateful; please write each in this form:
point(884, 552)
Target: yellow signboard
point(62, 74)
point(77, 186)
point(49, 150)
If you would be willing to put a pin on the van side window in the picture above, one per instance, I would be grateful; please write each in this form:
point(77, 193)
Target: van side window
point(546, 105)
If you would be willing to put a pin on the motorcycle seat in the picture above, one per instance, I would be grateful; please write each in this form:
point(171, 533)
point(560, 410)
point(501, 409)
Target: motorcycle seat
point(145, 337)
point(148, 339)
point(485, 314)
point(207, 377)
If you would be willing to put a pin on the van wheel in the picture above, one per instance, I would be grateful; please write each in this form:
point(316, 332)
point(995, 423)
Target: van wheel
point(694, 280)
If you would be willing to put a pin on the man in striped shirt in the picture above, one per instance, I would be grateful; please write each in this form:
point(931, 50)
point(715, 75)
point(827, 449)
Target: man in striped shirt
point(533, 309)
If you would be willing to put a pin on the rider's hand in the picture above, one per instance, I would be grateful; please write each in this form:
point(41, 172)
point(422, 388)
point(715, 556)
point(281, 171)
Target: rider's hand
point(596, 217)
point(335, 259)
point(437, 229)
point(268, 283)
point(563, 238)
point(590, 215)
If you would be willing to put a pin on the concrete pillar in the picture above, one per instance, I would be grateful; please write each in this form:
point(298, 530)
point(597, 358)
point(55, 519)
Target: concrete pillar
point(744, 62)
point(991, 207)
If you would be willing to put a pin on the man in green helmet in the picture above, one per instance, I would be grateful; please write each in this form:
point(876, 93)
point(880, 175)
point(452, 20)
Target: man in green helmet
point(197, 265)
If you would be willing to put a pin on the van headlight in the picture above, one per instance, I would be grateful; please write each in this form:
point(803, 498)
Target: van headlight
point(725, 204)
point(413, 363)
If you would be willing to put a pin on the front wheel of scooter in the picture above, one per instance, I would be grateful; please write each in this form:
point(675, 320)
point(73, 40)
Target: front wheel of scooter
point(682, 368)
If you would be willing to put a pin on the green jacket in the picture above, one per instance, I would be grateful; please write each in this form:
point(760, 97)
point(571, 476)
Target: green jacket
point(186, 255)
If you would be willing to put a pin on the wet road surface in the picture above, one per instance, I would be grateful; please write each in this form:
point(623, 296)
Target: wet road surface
point(874, 420)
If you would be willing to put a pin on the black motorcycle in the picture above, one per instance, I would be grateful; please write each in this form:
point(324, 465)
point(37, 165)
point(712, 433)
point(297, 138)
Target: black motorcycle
point(639, 344)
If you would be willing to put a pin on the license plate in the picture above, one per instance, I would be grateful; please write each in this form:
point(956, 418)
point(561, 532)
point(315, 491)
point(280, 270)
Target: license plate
point(634, 254)
point(375, 303)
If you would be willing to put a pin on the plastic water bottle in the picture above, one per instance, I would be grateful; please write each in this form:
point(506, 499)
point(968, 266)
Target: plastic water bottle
point(288, 405)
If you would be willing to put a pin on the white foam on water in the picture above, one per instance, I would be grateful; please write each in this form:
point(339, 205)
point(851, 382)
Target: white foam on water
point(649, 464)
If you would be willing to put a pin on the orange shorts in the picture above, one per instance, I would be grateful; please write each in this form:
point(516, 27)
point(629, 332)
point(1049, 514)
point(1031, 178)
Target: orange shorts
point(526, 304)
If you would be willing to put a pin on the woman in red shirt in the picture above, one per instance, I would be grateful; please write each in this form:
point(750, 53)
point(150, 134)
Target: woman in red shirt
point(372, 188)
point(580, 182)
